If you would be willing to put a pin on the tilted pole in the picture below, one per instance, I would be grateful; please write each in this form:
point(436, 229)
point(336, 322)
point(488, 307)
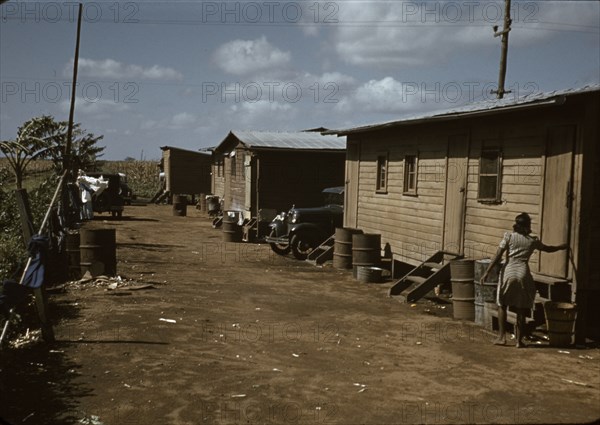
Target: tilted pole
point(68, 144)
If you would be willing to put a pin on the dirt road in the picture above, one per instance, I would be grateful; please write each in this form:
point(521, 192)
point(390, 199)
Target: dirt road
point(250, 337)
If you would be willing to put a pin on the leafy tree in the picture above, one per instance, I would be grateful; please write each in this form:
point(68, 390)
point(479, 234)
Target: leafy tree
point(38, 138)
point(84, 150)
point(45, 138)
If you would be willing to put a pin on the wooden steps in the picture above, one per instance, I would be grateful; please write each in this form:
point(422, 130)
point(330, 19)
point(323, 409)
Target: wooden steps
point(322, 253)
point(424, 278)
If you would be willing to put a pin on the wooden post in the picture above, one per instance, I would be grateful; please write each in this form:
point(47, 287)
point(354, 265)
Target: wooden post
point(25, 214)
point(504, 53)
point(68, 144)
point(41, 299)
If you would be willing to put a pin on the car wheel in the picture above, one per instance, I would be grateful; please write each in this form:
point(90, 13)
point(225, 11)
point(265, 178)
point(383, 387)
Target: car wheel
point(302, 244)
point(279, 248)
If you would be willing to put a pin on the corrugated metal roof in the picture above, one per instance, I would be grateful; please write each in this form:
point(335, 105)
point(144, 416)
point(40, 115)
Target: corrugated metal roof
point(202, 151)
point(290, 140)
point(487, 106)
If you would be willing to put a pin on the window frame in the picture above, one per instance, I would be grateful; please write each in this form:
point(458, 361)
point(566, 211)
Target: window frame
point(406, 189)
point(381, 182)
point(233, 166)
point(498, 174)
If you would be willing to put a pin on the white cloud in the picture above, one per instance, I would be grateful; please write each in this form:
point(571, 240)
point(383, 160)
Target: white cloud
point(179, 121)
point(386, 35)
point(98, 108)
point(263, 115)
point(182, 120)
point(244, 57)
point(110, 68)
point(386, 95)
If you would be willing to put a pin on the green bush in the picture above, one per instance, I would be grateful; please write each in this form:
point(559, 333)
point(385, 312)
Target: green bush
point(142, 176)
point(13, 254)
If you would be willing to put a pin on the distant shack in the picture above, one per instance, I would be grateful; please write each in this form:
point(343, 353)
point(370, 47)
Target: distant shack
point(254, 170)
point(186, 172)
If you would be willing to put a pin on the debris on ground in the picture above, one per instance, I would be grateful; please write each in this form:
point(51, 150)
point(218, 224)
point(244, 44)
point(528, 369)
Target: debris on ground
point(30, 337)
point(581, 384)
point(91, 420)
point(109, 283)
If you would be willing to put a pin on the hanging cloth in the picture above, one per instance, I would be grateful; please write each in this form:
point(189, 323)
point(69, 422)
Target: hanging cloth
point(38, 248)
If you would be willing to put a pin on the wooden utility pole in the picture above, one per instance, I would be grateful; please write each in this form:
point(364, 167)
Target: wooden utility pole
point(67, 152)
point(504, 50)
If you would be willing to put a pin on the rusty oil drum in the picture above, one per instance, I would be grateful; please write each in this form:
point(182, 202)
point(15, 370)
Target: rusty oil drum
point(342, 249)
point(463, 290)
point(232, 232)
point(73, 255)
point(180, 205)
point(366, 251)
point(98, 251)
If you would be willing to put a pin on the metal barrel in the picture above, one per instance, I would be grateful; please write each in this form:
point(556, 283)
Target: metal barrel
point(463, 291)
point(73, 255)
point(485, 292)
point(342, 248)
point(232, 232)
point(180, 205)
point(368, 274)
point(560, 322)
point(202, 202)
point(98, 251)
point(481, 266)
point(366, 251)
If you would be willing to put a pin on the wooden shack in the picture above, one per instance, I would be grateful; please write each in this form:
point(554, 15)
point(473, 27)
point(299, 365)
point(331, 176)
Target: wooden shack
point(186, 172)
point(454, 181)
point(260, 170)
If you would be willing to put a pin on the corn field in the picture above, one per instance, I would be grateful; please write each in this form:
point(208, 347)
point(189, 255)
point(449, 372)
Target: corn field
point(142, 176)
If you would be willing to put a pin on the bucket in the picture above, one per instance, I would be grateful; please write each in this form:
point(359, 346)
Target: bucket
point(342, 249)
point(366, 251)
point(73, 255)
point(180, 205)
point(98, 251)
point(232, 232)
point(366, 274)
point(560, 321)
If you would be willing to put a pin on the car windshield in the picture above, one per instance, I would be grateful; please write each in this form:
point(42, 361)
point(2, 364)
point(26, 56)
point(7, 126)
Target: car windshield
point(334, 198)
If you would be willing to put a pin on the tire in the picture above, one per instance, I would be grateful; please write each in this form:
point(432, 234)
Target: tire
point(302, 244)
point(281, 249)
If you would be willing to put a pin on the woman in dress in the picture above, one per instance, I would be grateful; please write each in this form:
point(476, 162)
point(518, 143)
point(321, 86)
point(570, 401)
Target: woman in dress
point(516, 287)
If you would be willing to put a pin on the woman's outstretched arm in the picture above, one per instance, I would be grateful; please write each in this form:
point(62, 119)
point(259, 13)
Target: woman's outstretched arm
point(551, 248)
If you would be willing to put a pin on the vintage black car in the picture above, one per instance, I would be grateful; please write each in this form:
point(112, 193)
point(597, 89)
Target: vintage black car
point(110, 200)
point(300, 230)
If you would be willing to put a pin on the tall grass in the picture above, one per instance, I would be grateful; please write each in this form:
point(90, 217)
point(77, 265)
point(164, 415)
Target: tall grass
point(142, 176)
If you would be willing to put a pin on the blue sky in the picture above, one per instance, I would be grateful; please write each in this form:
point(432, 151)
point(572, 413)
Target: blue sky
point(185, 73)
